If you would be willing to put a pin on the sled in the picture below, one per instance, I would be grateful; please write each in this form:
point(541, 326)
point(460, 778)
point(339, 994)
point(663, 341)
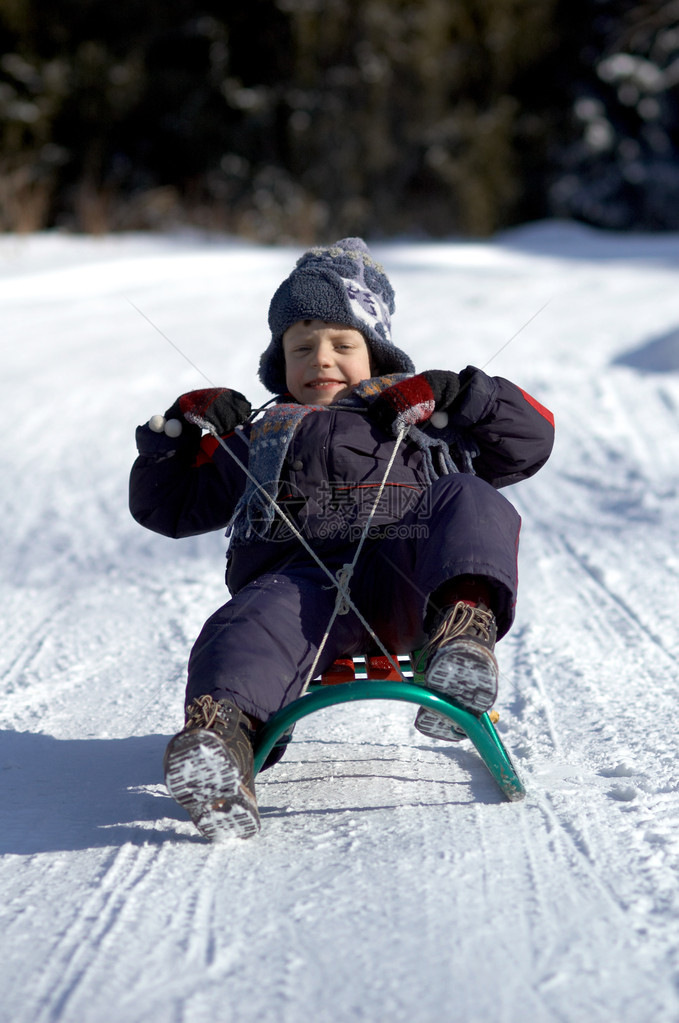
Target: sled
point(376, 678)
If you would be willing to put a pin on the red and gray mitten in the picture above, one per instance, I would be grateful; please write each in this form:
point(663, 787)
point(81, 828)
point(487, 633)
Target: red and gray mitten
point(221, 407)
point(164, 436)
point(415, 399)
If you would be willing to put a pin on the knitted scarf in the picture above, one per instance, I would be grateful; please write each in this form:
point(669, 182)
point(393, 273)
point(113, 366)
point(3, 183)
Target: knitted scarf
point(271, 436)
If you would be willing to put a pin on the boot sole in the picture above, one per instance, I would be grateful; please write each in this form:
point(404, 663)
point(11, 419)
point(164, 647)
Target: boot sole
point(467, 673)
point(202, 778)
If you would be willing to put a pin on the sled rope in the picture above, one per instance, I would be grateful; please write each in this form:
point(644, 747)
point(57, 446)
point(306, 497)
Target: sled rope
point(342, 602)
point(336, 581)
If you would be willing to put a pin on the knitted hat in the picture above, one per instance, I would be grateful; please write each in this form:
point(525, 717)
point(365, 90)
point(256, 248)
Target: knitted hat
point(340, 284)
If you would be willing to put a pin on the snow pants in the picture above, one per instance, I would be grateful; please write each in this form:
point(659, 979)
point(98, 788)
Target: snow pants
point(258, 648)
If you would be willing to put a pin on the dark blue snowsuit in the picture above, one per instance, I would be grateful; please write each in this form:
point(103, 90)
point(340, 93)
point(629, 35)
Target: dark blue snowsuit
point(258, 648)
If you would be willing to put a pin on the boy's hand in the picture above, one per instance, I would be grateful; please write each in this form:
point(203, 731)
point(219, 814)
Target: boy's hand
point(415, 400)
point(221, 407)
point(164, 436)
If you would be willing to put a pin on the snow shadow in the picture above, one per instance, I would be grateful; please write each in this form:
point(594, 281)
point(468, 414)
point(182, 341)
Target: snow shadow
point(76, 794)
point(577, 241)
point(68, 794)
point(657, 355)
point(552, 239)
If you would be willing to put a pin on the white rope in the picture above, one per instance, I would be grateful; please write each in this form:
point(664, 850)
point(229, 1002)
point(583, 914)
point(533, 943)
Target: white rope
point(341, 580)
point(342, 605)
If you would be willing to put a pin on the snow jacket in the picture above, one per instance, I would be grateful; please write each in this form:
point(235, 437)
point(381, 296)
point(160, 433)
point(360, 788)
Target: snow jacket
point(334, 464)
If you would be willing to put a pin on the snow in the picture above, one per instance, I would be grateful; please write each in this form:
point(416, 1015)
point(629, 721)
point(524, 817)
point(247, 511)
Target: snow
point(390, 880)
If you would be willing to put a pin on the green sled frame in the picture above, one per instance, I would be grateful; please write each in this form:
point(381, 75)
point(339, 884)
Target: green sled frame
point(375, 678)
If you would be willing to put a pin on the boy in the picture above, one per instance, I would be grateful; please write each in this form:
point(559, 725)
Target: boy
point(368, 462)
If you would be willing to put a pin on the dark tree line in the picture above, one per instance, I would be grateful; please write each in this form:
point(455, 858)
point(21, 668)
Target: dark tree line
point(310, 119)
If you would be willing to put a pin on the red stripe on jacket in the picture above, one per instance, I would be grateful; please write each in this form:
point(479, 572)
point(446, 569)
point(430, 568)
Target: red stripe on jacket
point(544, 412)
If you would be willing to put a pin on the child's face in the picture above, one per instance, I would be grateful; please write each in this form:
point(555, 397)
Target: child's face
point(324, 361)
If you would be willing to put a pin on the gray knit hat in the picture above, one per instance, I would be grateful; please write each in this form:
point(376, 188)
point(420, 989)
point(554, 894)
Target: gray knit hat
point(340, 284)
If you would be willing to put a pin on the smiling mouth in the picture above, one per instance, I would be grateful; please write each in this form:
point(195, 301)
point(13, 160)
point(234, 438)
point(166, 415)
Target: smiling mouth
point(324, 383)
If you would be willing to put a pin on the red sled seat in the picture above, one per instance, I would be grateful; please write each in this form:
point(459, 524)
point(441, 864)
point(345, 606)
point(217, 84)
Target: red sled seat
point(378, 668)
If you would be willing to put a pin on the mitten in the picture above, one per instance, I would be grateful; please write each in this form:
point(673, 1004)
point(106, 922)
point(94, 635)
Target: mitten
point(164, 436)
point(221, 407)
point(415, 399)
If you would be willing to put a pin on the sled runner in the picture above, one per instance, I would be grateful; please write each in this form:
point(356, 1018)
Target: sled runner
point(376, 678)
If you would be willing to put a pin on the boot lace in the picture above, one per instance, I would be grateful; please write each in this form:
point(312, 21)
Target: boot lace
point(455, 624)
point(202, 713)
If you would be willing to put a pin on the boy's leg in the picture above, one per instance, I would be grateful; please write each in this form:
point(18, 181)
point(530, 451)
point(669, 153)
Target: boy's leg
point(450, 579)
point(257, 650)
point(252, 657)
point(461, 527)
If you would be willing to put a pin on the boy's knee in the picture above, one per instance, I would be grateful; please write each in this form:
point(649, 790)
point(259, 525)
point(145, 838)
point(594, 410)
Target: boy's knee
point(468, 493)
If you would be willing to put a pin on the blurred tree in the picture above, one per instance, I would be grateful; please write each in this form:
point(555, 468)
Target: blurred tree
point(401, 115)
point(617, 162)
point(307, 119)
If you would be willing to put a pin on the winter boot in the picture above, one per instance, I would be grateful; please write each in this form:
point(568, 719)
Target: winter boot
point(460, 664)
point(209, 770)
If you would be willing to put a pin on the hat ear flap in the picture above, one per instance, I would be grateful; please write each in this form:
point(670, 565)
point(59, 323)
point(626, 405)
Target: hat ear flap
point(272, 368)
point(375, 368)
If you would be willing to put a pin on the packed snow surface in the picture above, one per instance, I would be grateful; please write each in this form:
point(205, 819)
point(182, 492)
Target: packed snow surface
point(390, 880)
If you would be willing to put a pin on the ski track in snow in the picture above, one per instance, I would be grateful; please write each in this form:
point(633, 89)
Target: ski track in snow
point(391, 880)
